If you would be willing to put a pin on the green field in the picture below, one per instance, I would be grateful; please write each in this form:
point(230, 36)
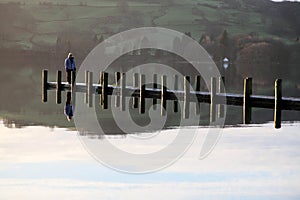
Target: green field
point(106, 18)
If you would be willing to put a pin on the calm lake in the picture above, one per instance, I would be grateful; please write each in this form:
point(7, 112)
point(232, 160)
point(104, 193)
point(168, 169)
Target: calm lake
point(256, 162)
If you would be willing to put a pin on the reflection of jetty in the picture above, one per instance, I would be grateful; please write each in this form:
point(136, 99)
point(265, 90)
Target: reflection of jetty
point(139, 91)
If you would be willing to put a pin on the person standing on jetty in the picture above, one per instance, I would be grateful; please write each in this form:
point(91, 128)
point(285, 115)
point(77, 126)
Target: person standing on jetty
point(70, 66)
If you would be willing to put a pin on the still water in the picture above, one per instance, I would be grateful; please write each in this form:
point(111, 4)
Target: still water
point(254, 162)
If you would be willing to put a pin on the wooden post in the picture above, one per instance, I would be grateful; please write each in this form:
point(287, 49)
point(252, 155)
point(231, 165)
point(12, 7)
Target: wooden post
point(154, 101)
point(198, 88)
point(87, 86)
point(90, 87)
point(278, 98)
point(175, 103)
point(186, 103)
point(122, 92)
point(135, 84)
point(247, 111)
point(213, 99)
point(142, 93)
point(104, 85)
point(117, 97)
point(221, 90)
point(163, 95)
point(45, 85)
point(58, 87)
point(73, 79)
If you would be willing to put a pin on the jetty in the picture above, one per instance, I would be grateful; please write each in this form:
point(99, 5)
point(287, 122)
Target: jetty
point(159, 91)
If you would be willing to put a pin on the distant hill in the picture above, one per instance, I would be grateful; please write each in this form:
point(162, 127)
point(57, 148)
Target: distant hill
point(35, 24)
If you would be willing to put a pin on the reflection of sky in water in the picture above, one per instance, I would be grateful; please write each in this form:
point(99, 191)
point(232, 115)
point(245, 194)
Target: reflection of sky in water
point(248, 163)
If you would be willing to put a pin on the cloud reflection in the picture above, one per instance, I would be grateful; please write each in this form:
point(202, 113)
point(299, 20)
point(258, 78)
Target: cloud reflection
point(248, 163)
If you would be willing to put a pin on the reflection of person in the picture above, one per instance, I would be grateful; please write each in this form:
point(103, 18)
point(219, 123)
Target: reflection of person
point(68, 109)
point(70, 66)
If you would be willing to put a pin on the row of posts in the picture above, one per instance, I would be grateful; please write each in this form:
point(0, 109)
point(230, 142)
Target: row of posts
point(139, 82)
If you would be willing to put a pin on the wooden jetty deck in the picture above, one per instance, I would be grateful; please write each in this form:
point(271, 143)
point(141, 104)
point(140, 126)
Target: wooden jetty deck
point(138, 91)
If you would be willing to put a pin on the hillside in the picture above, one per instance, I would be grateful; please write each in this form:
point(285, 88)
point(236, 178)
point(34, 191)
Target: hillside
point(35, 24)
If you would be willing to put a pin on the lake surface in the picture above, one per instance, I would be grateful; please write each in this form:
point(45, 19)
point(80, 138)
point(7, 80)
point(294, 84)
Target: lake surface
point(255, 162)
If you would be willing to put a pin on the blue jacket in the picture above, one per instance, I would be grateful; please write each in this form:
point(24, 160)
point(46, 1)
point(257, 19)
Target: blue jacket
point(69, 65)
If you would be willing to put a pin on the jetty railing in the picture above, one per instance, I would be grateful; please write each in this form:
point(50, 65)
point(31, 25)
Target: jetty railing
point(139, 93)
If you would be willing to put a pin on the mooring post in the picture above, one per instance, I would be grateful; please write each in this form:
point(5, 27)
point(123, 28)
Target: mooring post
point(154, 101)
point(135, 84)
point(104, 85)
point(247, 110)
point(175, 103)
point(122, 92)
point(73, 80)
point(90, 88)
point(45, 85)
point(163, 95)
point(58, 87)
point(198, 88)
point(117, 97)
point(142, 93)
point(186, 103)
point(278, 98)
point(221, 89)
point(87, 86)
point(213, 99)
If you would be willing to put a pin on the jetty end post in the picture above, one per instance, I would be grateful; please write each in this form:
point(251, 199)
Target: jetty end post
point(247, 111)
point(278, 98)
point(58, 87)
point(44, 85)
